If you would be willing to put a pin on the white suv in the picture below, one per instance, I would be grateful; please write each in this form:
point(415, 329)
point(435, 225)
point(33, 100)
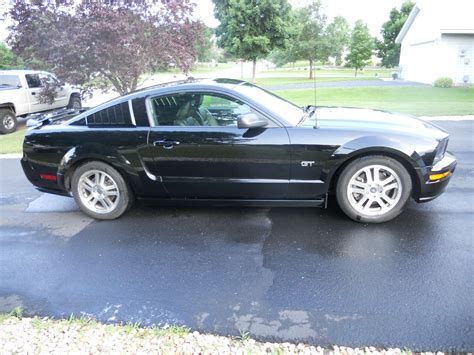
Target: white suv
point(19, 96)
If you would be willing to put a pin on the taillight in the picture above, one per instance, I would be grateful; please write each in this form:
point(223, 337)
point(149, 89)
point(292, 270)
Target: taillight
point(48, 177)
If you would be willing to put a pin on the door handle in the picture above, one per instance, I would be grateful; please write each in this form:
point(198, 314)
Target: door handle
point(33, 93)
point(167, 144)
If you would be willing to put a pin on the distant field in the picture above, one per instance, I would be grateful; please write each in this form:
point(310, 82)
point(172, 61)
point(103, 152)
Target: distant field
point(205, 68)
point(272, 81)
point(418, 101)
point(345, 72)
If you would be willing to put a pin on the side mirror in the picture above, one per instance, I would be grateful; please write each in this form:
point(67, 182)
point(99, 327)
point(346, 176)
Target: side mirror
point(250, 120)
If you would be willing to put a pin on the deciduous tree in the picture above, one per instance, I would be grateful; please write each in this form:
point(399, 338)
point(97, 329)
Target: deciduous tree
point(360, 48)
point(105, 43)
point(310, 43)
point(387, 49)
point(250, 29)
point(338, 35)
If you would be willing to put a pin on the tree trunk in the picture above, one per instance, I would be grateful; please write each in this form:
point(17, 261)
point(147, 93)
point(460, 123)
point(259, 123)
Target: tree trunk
point(254, 66)
point(310, 69)
point(355, 73)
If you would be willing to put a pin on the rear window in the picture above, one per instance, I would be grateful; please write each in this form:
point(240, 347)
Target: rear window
point(117, 115)
point(10, 80)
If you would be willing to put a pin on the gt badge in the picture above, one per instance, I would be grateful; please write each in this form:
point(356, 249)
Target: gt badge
point(307, 163)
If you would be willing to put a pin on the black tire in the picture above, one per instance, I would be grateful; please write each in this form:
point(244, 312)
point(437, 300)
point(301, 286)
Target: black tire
point(74, 102)
point(124, 196)
point(349, 201)
point(8, 121)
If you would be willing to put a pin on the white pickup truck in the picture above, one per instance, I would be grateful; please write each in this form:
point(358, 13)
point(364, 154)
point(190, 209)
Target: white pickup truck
point(19, 96)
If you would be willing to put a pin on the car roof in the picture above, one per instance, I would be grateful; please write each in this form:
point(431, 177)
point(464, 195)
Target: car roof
point(218, 82)
point(20, 71)
point(189, 83)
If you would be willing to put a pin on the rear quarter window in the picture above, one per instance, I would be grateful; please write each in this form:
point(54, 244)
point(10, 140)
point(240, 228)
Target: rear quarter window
point(117, 115)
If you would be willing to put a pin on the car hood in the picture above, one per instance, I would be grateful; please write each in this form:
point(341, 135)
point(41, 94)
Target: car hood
point(374, 121)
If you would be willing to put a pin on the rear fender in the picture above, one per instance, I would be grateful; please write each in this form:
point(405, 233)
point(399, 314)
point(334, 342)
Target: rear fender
point(108, 154)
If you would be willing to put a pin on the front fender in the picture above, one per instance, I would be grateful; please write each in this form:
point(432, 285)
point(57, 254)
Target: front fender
point(416, 156)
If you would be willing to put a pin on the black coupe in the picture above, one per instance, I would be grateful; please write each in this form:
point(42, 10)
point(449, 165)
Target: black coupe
point(226, 141)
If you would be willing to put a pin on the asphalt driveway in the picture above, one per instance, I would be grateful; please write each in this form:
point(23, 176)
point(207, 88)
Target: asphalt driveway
point(279, 273)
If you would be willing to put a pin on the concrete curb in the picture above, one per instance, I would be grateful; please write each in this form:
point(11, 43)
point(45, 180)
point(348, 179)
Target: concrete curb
point(11, 156)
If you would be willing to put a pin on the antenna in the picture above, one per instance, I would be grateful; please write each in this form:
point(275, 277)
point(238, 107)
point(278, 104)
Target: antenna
point(314, 82)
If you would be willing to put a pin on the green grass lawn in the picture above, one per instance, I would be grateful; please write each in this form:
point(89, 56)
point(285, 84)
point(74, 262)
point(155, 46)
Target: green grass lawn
point(11, 143)
point(418, 101)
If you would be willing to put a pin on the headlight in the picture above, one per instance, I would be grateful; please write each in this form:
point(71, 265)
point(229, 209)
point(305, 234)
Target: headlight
point(440, 150)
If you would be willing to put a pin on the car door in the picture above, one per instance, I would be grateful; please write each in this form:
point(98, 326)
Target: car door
point(34, 87)
point(61, 99)
point(200, 152)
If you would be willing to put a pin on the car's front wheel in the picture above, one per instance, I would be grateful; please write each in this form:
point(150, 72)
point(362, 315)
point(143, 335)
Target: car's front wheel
point(373, 189)
point(100, 190)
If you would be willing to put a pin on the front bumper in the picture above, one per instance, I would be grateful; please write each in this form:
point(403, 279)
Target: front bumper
point(430, 189)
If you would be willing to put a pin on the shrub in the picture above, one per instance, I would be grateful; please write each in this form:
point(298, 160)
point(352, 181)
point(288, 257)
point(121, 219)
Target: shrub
point(443, 82)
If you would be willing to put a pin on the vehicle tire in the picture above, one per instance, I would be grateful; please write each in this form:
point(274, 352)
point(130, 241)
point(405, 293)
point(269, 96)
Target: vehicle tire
point(75, 102)
point(8, 121)
point(373, 189)
point(101, 191)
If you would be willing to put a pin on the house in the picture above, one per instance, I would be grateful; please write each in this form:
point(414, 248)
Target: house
point(437, 40)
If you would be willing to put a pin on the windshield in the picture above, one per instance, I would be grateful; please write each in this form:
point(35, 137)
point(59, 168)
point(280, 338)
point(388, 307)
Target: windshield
point(9, 80)
point(291, 113)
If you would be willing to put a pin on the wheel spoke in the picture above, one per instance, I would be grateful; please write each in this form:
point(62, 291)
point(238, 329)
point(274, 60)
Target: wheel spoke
point(94, 201)
point(88, 182)
point(388, 180)
point(102, 180)
point(376, 171)
point(380, 202)
point(358, 184)
point(106, 202)
point(357, 190)
point(87, 187)
point(368, 204)
point(368, 175)
point(111, 193)
point(390, 187)
point(387, 199)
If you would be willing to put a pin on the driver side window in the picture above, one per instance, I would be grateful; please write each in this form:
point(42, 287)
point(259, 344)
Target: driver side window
point(196, 109)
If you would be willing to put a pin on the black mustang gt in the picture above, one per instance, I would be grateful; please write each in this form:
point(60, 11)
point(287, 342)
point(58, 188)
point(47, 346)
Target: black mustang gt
point(226, 141)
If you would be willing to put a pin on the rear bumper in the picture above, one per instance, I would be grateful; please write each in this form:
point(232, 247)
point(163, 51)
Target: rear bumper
point(43, 177)
point(430, 189)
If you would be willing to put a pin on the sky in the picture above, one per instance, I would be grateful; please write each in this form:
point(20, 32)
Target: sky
point(373, 12)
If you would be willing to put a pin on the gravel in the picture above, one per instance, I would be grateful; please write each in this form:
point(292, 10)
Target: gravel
point(35, 335)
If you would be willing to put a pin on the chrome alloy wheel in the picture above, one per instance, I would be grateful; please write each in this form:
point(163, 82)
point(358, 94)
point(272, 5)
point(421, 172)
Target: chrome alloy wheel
point(374, 190)
point(8, 121)
point(98, 191)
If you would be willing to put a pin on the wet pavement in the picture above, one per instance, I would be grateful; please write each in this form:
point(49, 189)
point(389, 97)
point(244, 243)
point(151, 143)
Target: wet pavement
point(280, 273)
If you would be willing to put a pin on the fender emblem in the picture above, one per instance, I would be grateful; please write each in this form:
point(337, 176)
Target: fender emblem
point(307, 163)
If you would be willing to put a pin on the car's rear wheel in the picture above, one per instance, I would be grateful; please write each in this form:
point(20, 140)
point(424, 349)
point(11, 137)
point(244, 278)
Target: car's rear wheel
point(100, 190)
point(8, 121)
point(373, 189)
point(75, 102)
